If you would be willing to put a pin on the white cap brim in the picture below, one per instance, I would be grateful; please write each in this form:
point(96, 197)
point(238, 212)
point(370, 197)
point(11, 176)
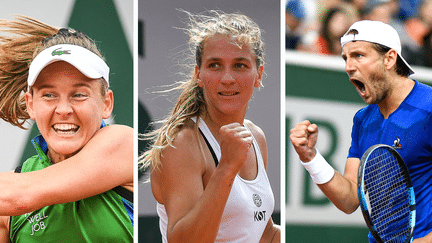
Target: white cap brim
point(87, 62)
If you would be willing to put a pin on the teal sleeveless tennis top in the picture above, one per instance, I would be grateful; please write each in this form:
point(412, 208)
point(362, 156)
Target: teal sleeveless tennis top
point(107, 217)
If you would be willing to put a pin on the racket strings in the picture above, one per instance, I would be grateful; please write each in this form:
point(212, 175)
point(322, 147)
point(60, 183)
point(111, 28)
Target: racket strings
point(388, 196)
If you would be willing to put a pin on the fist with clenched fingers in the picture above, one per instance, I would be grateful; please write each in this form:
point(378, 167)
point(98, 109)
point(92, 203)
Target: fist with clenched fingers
point(235, 143)
point(304, 137)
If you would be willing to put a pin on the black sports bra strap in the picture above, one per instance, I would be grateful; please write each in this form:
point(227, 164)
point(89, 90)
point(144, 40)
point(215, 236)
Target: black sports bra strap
point(18, 169)
point(123, 192)
point(210, 147)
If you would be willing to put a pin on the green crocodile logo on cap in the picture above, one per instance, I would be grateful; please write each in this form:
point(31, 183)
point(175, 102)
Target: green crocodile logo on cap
point(58, 52)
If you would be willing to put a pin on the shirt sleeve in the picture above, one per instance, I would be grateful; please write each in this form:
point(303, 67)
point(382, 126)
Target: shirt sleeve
point(354, 148)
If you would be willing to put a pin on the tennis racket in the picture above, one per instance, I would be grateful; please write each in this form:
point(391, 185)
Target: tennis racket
point(386, 195)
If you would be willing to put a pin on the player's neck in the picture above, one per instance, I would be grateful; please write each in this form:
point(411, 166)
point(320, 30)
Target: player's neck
point(401, 88)
point(219, 119)
point(57, 158)
point(215, 121)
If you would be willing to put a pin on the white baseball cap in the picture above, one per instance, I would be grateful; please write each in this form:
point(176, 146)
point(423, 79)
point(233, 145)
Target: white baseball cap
point(375, 32)
point(87, 62)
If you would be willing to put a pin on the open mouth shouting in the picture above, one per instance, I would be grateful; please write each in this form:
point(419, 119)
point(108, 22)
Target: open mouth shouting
point(65, 129)
point(361, 88)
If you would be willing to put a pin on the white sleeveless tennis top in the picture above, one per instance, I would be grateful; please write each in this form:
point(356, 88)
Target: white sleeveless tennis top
point(249, 206)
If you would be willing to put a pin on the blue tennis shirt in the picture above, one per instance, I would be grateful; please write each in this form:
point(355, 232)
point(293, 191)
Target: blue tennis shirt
point(411, 125)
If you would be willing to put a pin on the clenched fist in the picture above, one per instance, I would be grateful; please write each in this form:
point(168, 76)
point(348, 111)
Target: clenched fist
point(304, 137)
point(235, 142)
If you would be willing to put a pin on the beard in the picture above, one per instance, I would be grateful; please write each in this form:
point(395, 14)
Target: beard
point(380, 84)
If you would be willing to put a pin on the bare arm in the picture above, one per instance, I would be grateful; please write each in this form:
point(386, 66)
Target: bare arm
point(4, 229)
point(272, 233)
point(194, 209)
point(105, 162)
point(341, 189)
point(426, 239)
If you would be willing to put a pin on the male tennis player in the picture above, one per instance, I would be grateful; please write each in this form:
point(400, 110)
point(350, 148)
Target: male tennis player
point(398, 113)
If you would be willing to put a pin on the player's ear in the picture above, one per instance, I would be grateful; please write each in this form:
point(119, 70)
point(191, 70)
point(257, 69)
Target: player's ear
point(108, 101)
point(29, 105)
point(197, 76)
point(258, 81)
point(390, 59)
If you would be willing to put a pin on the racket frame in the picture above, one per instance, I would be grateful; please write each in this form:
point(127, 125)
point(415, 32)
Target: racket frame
point(361, 193)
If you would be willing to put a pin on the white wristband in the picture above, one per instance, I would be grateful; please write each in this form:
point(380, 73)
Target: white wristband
point(320, 171)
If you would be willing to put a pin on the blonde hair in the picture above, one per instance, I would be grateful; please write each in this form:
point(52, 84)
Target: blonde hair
point(22, 40)
point(191, 103)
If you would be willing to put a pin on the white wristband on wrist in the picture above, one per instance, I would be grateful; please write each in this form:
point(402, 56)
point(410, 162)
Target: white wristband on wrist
point(320, 171)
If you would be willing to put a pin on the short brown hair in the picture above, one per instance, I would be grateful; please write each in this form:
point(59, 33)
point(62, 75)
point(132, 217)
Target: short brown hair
point(401, 68)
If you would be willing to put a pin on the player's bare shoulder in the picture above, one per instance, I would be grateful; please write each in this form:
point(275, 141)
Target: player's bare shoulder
point(257, 132)
point(259, 137)
point(179, 161)
point(186, 135)
point(184, 146)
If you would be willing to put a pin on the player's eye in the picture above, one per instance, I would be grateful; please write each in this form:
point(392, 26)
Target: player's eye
point(214, 65)
point(240, 65)
point(48, 95)
point(79, 95)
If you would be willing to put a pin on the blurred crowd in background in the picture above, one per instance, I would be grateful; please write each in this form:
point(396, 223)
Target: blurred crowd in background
point(317, 25)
